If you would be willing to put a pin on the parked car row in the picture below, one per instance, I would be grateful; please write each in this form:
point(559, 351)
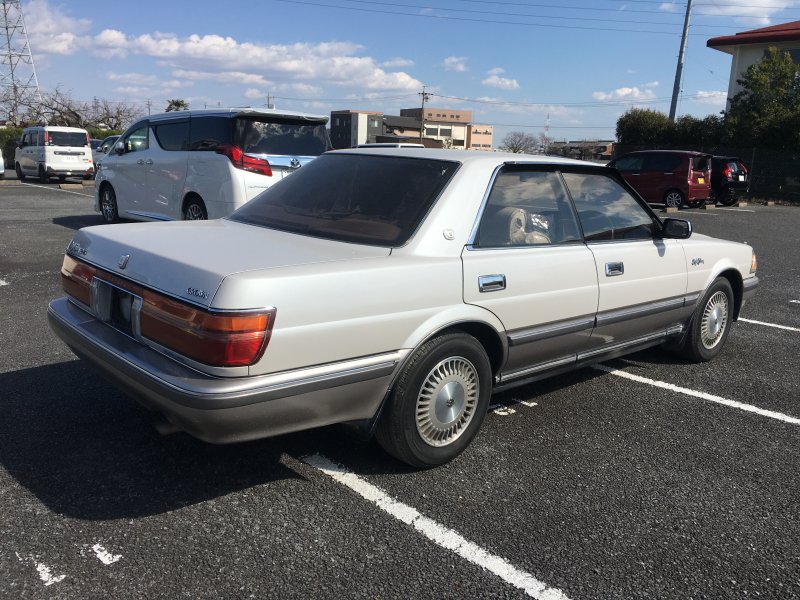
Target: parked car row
point(679, 178)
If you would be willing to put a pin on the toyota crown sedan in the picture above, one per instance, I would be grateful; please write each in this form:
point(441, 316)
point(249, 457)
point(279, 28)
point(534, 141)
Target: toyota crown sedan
point(395, 290)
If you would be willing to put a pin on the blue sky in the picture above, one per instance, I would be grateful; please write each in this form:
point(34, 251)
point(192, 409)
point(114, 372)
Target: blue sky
point(512, 63)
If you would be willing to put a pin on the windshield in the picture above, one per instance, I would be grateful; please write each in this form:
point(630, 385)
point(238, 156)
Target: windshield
point(293, 137)
point(376, 200)
point(66, 138)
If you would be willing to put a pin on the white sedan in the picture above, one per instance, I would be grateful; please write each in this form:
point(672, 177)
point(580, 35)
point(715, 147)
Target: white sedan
point(394, 289)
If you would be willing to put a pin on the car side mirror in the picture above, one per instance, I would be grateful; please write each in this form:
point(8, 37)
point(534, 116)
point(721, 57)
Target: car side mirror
point(119, 148)
point(678, 229)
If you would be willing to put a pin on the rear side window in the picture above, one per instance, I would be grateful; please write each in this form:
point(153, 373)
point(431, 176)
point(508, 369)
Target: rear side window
point(665, 163)
point(172, 136)
point(293, 137)
point(65, 138)
point(375, 200)
point(208, 133)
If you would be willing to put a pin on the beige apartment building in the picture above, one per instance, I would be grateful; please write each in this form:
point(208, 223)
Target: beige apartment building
point(452, 127)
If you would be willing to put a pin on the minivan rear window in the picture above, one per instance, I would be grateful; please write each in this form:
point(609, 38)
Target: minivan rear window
point(66, 138)
point(288, 137)
point(700, 163)
point(374, 200)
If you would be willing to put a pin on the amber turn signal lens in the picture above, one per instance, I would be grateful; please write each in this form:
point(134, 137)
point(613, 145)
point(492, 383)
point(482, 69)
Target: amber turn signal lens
point(753, 263)
point(76, 279)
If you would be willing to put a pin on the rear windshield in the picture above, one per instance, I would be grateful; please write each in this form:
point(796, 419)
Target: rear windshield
point(66, 138)
point(700, 163)
point(374, 200)
point(294, 137)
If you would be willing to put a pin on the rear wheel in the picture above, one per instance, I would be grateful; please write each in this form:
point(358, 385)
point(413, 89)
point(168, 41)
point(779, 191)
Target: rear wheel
point(194, 210)
point(108, 204)
point(43, 175)
point(728, 197)
point(438, 403)
point(673, 199)
point(20, 174)
point(711, 323)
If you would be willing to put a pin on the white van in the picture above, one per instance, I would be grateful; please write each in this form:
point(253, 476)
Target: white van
point(203, 164)
point(49, 151)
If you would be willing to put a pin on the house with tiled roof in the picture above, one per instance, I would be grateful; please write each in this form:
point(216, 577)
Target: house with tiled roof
point(748, 47)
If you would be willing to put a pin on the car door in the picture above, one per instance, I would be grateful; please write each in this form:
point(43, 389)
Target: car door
point(662, 173)
point(632, 169)
point(166, 164)
point(642, 277)
point(527, 264)
point(127, 172)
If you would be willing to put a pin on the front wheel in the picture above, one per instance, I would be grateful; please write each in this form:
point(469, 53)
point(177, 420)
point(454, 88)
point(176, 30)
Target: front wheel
point(711, 323)
point(673, 199)
point(438, 402)
point(20, 174)
point(108, 204)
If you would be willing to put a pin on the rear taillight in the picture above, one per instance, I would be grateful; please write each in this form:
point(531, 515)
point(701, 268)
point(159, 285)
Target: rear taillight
point(76, 279)
point(46, 138)
point(219, 339)
point(727, 172)
point(240, 160)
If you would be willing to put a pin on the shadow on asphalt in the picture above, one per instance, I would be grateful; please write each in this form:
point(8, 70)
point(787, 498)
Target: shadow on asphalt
point(88, 452)
point(75, 222)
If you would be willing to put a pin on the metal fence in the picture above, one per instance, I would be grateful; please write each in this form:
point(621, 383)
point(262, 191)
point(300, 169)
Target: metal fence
point(774, 174)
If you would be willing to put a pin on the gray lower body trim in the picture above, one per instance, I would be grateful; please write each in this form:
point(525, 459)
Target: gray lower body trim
point(222, 410)
point(550, 330)
point(749, 287)
point(640, 310)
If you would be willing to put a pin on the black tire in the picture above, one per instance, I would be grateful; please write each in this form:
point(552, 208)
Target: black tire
point(728, 198)
point(711, 323)
point(43, 175)
point(438, 403)
point(194, 210)
point(108, 204)
point(674, 199)
point(20, 175)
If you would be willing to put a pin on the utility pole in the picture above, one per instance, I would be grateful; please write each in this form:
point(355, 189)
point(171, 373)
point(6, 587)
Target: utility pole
point(425, 97)
point(676, 89)
point(149, 104)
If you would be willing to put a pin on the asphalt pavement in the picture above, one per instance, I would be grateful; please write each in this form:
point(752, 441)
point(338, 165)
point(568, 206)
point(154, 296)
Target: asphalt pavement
point(648, 478)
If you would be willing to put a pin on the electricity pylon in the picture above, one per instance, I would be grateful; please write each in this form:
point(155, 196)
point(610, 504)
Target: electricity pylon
point(19, 86)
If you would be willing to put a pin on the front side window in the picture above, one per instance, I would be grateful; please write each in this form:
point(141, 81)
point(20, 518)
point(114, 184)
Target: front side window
point(363, 199)
point(630, 163)
point(606, 210)
point(137, 140)
point(527, 208)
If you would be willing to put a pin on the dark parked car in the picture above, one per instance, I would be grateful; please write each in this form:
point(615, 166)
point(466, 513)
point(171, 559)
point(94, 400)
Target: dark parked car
point(729, 179)
point(672, 177)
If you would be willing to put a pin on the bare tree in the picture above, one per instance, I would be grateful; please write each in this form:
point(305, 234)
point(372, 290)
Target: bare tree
point(59, 108)
point(117, 115)
point(520, 142)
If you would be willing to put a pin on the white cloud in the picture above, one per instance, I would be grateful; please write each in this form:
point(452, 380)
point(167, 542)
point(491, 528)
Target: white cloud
point(396, 63)
point(747, 12)
point(640, 92)
point(253, 94)
point(715, 98)
point(222, 77)
point(502, 83)
point(455, 63)
point(496, 71)
point(51, 31)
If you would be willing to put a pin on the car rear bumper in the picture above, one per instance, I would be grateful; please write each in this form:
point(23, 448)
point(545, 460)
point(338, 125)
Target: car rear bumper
point(225, 410)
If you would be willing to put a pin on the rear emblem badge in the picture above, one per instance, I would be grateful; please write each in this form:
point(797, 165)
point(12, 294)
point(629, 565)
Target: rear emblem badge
point(294, 163)
point(123, 260)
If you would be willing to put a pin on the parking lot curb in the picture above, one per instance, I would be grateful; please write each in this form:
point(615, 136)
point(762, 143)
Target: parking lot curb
point(741, 204)
point(709, 207)
point(70, 186)
point(670, 209)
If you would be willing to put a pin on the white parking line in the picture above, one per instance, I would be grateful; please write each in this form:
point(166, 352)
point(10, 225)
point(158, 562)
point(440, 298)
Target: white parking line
point(737, 209)
point(104, 556)
point(3, 282)
point(501, 409)
point(784, 327)
point(45, 572)
point(702, 395)
point(44, 187)
point(444, 537)
point(794, 301)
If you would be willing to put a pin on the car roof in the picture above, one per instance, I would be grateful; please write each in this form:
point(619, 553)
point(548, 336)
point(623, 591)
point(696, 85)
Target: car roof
point(239, 112)
point(470, 156)
point(687, 152)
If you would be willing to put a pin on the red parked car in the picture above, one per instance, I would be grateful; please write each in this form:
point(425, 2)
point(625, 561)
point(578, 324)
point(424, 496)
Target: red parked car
point(672, 177)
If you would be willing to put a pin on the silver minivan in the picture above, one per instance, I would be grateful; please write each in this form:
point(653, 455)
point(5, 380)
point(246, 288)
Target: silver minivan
point(203, 164)
point(49, 151)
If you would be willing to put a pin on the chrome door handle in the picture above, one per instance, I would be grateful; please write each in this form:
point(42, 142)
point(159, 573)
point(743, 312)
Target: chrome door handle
point(614, 268)
point(491, 283)
point(149, 161)
point(140, 161)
